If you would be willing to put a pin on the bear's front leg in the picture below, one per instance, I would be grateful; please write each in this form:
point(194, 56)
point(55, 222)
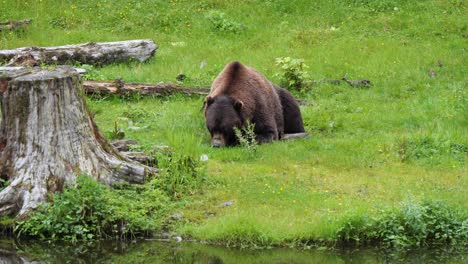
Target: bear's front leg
point(265, 132)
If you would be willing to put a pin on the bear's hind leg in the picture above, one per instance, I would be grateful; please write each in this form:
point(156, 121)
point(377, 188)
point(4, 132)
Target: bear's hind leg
point(265, 138)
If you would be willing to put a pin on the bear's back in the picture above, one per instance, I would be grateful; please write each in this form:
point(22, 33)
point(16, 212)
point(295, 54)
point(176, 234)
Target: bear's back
point(245, 84)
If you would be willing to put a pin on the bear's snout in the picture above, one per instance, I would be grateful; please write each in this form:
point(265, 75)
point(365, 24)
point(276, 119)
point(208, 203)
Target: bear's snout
point(217, 140)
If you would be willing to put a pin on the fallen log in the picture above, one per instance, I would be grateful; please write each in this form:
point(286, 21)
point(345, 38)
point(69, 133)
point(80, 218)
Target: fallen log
point(94, 53)
point(121, 88)
point(357, 83)
point(10, 25)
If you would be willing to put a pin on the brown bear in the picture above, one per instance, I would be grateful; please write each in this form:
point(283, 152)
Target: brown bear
point(240, 94)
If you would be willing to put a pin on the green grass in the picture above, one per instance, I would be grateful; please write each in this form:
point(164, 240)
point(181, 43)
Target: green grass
point(403, 139)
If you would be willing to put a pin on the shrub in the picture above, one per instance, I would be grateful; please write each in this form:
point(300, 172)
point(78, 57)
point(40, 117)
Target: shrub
point(414, 224)
point(79, 213)
point(221, 23)
point(293, 75)
point(89, 210)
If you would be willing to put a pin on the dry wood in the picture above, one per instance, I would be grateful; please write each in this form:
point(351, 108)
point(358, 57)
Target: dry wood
point(363, 83)
point(123, 144)
point(48, 138)
point(95, 53)
point(121, 88)
point(10, 25)
point(161, 89)
point(140, 157)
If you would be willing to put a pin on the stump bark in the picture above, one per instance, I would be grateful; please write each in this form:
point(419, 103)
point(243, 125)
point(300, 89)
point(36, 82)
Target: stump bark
point(48, 138)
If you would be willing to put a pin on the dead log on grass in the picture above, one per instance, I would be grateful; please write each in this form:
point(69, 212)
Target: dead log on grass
point(94, 53)
point(48, 138)
point(10, 25)
point(121, 88)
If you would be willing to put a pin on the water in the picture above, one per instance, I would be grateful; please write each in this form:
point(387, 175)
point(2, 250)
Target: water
point(170, 252)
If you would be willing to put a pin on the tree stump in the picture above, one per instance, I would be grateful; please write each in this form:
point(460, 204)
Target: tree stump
point(48, 138)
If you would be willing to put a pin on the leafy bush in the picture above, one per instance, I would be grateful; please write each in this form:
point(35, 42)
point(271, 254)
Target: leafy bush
point(221, 23)
point(88, 210)
point(412, 225)
point(293, 75)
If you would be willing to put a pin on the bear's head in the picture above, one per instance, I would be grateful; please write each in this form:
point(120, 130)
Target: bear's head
point(222, 115)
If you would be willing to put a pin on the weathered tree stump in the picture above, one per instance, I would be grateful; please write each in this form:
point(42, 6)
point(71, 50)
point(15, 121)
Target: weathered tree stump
point(48, 138)
point(96, 53)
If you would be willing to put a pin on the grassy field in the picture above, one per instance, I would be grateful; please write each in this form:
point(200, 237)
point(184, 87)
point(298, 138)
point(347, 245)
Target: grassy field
point(402, 141)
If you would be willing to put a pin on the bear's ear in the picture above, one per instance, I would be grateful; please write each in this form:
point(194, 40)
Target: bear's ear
point(238, 104)
point(208, 101)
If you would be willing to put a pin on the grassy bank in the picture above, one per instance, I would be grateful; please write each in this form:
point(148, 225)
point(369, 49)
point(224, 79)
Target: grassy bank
point(402, 141)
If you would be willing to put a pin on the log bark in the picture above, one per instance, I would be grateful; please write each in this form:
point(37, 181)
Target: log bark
point(10, 25)
point(95, 53)
point(121, 88)
point(48, 138)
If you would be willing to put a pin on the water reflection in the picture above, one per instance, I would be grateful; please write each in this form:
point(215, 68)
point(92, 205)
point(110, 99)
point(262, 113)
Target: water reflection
point(164, 252)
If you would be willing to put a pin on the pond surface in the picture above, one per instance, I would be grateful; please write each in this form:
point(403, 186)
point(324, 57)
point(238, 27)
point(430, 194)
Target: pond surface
point(146, 251)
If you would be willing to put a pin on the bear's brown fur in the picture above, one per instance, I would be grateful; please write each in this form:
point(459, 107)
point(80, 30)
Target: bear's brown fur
point(240, 94)
point(291, 112)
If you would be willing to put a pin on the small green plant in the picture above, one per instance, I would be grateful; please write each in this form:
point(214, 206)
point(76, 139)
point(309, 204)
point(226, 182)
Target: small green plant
point(246, 137)
point(221, 23)
point(293, 73)
point(116, 133)
point(4, 183)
